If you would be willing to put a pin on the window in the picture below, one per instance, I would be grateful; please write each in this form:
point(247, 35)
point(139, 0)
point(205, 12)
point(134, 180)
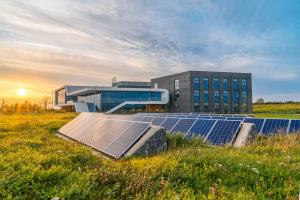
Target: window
point(244, 84)
point(206, 96)
point(206, 107)
point(216, 97)
point(196, 108)
point(196, 84)
point(226, 84)
point(235, 84)
point(217, 108)
point(245, 108)
point(244, 96)
point(205, 84)
point(196, 96)
point(216, 84)
point(226, 97)
point(235, 97)
point(176, 83)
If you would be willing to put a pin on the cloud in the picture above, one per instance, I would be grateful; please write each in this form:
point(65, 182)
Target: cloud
point(49, 43)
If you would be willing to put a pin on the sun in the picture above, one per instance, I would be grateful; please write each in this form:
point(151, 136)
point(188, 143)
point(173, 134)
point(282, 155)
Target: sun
point(22, 92)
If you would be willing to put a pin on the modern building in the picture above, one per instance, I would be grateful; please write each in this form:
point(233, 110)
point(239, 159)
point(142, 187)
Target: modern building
point(207, 92)
point(137, 97)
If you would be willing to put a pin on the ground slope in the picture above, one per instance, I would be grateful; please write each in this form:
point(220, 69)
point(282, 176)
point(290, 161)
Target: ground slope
point(35, 164)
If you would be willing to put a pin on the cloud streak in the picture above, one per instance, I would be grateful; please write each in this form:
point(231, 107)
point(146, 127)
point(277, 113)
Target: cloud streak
point(51, 43)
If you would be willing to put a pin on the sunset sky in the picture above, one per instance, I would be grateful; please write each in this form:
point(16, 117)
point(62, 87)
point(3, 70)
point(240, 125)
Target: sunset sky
point(48, 43)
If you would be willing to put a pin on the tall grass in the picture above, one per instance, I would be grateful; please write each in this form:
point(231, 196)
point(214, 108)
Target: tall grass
point(35, 164)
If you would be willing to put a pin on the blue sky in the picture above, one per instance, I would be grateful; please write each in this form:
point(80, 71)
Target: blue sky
point(45, 44)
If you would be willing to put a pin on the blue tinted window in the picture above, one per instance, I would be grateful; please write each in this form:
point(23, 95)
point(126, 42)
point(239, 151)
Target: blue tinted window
point(110, 99)
point(244, 84)
point(244, 96)
point(206, 96)
point(216, 84)
point(205, 84)
point(196, 96)
point(226, 96)
point(235, 84)
point(216, 96)
point(226, 84)
point(236, 97)
point(196, 84)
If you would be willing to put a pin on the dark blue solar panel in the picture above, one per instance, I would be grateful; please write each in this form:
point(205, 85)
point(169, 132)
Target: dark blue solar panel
point(158, 121)
point(204, 117)
point(217, 117)
point(148, 119)
point(138, 119)
point(295, 126)
point(273, 126)
point(258, 123)
point(183, 126)
point(223, 132)
point(236, 118)
point(169, 123)
point(201, 127)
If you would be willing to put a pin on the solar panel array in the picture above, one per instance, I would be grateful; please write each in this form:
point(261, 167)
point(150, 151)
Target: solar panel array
point(112, 137)
point(201, 124)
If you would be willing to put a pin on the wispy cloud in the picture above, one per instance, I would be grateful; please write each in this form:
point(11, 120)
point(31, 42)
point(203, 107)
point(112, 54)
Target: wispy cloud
point(49, 43)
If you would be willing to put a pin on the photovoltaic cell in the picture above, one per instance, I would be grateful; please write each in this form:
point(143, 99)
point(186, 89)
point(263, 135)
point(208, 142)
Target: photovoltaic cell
point(223, 132)
point(273, 126)
point(183, 125)
point(148, 119)
point(158, 121)
point(120, 145)
point(217, 117)
point(258, 123)
point(295, 126)
point(201, 128)
point(169, 123)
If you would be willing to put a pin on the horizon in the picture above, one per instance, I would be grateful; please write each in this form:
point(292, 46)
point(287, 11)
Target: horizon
point(44, 45)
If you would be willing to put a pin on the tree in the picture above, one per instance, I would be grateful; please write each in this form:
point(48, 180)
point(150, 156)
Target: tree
point(46, 101)
point(260, 101)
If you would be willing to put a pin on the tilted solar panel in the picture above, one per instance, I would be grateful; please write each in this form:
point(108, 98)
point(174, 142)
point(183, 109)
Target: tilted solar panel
point(183, 126)
point(273, 126)
point(138, 119)
point(201, 128)
point(217, 117)
point(295, 126)
point(158, 121)
point(236, 118)
point(169, 123)
point(122, 143)
point(223, 132)
point(258, 123)
point(148, 119)
point(204, 117)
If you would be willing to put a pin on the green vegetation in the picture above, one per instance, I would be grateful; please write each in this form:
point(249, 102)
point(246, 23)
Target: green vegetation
point(36, 164)
point(278, 108)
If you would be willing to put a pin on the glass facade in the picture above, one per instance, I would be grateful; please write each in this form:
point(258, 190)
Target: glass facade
point(196, 96)
point(244, 84)
point(196, 84)
point(61, 96)
point(205, 84)
point(110, 99)
point(216, 84)
point(235, 84)
point(226, 84)
point(176, 85)
point(226, 97)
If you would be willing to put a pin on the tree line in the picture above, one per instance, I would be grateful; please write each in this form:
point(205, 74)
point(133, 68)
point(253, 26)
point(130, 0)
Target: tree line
point(44, 104)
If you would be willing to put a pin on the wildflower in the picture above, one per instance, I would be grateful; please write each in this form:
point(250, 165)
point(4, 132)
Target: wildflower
point(255, 170)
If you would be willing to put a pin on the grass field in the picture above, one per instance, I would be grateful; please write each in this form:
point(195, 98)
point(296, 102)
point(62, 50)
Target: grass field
point(36, 164)
point(284, 108)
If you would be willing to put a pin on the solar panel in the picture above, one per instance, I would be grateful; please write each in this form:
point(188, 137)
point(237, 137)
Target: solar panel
point(236, 118)
point(223, 132)
point(148, 119)
point(139, 119)
point(217, 117)
point(183, 126)
point(113, 137)
point(204, 117)
point(295, 126)
point(258, 123)
point(122, 143)
point(201, 128)
point(273, 126)
point(158, 121)
point(169, 123)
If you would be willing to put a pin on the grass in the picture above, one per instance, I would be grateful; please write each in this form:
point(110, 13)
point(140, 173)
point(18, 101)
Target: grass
point(277, 108)
point(36, 164)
